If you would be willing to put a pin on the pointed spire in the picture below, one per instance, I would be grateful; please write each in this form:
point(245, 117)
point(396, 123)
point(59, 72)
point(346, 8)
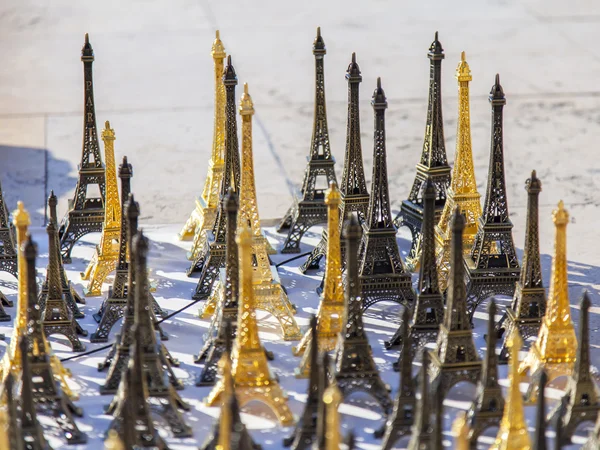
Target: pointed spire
point(229, 77)
point(581, 372)
point(539, 438)
point(435, 49)
point(497, 93)
point(379, 100)
point(246, 105)
point(463, 71)
point(319, 44)
point(218, 49)
point(353, 73)
point(87, 53)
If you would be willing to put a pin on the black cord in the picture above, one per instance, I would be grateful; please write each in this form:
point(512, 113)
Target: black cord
point(99, 349)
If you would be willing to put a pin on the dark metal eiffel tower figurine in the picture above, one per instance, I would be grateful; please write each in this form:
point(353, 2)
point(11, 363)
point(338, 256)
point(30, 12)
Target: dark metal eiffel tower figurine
point(49, 396)
point(113, 306)
point(118, 356)
point(455, 356)
point(539, 439)
point(308, 207)
point(86, 214)
point(161, 378)
point(57, 318)
point(70, 294)
point(382, 274)
point(132, 419)
point(355, 369)
point(487, 408)
point(528, 306)
point(324, 372)
point(493, 267)
point(434, 162)
point(305, 432)
point(211, 257)
point(422, 431)
point(428, 310)
point(226, 313)
point(8, 249)
point(583, 404)
point(10, 433)
point(32, 433)
point(399, 424)
point(353, 189)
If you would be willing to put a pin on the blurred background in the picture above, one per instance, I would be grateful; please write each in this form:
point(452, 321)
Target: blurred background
point(153, 79)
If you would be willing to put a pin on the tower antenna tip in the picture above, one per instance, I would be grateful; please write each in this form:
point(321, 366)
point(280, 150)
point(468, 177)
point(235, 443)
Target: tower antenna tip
point(436, 35)
point(378, 82)
point(217, 35)
point(463, 57)
point(87, 38)
point(245, 88)
point(318, 31)
point(497, 79)
point(353, 57)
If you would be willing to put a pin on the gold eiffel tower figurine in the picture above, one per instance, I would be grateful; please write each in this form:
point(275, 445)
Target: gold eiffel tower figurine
point(331, 307)
point(106, 255)
point(463, 186)
point(251, 375)
point(204, 214)
point(555, 348)
point(12, 360)
point(513, 434)
point(269, 294)
point(332, 398)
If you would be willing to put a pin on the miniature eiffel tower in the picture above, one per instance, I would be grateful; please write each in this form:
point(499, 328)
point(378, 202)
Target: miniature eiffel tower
point(463, 186)
point(355, 369)
point(353, 190)
point(399, 424)
point(455, 356)
point(32, 434)
point(331, 306)
point(428, 310)
point(492, 266)
point(86, 214)
point(203, 216)
point(433, 164)
point(556, 345)
point(211, 255)
point(113, 306)
point(8, 250)
point(132, 419)
point(513, 434)
point(308, 207)
point(106, 255)
point(422, 431)
point(583, 404)
point(48, 387)
point(250, 371)
point(305, 432)
point(68, 291)
point(486, 410)
point(154, 356)
point(539, 439)
point(382, 274)
point(529, 302)
point(226, 289)
point(57, 318)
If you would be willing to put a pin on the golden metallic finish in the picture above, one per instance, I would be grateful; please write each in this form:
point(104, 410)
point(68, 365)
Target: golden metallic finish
point(331, 307)
point(4, 432)
point(106, 255)
point(113, 442)
point(269, 295)
point(460, 429)
point(513, 434)
point(463, 187)
point(251, 375)
point(204, 214)
point(332, 397)
point(555, 349)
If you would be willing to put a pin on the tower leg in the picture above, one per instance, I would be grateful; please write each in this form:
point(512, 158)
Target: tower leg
point(112, 313)
point(69, 331)
point(286, 221)
point(313, 260)
point(210, 272)
point(64, 410)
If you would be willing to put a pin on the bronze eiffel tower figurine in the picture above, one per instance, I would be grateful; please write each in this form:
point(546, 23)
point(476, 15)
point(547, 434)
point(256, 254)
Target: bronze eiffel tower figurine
point(155, 360)
point(308, 207)
point(528, 306)
point(8, 249)
point(455, 356)
point(113, 306)
point(355, 369)
point(227, 307)
point(132, 420)
point(305, 432)
point(382, 274)
point(353, 190)
point(583, 404)
point(422, 431)
point(539, 438)
point(493, 267)
point(57, 318)
point(211, 257)
point(399, 424)
point(428, 310)
point(86, 214)
point(46, 386)
point(487, 409)
point(434, 162)
point(324, 373)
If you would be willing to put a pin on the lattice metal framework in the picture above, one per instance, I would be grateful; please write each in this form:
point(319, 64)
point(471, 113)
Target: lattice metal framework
point(86, 213)
point(8, 252)
point(308, 207)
